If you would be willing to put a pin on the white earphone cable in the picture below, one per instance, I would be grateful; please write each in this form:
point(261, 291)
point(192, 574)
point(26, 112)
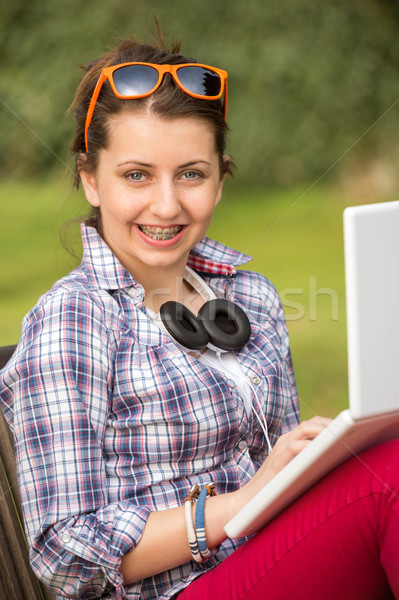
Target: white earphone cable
point(262, 421)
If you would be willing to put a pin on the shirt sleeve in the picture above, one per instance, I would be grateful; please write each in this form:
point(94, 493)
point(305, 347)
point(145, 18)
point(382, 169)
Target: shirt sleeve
point(61, 379)
point(291, 417)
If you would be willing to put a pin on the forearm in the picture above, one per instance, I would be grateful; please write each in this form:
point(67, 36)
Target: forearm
point(164, 543)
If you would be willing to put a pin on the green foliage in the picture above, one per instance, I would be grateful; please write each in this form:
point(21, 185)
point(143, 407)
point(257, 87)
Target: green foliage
point(309, 81)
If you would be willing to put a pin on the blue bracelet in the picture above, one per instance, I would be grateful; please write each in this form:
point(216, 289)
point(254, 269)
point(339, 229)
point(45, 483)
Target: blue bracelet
point(191, 534)
point(209, 490)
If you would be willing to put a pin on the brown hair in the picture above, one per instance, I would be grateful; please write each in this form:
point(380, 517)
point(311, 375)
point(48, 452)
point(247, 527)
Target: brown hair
point(168, 101)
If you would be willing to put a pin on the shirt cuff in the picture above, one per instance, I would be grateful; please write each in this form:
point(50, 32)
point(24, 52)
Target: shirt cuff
point(95, 544)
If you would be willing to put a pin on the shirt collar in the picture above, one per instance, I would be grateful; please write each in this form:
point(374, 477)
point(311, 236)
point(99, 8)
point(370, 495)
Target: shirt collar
point(104, 271)
point(213, 258)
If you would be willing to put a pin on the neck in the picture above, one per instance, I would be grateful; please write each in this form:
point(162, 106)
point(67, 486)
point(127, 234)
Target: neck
point(160, 289)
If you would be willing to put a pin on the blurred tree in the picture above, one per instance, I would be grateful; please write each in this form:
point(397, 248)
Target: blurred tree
point(308, 80)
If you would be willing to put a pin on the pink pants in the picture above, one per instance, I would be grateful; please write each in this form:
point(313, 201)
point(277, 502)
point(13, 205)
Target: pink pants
point(340, 541)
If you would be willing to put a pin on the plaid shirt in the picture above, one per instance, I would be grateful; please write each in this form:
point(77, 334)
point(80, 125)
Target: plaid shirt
point(113, 420)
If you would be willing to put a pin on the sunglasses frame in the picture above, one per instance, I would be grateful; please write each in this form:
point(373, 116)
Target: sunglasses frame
point(108, 72)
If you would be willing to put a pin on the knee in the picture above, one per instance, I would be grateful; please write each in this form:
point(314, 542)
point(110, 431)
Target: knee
point(382, 461)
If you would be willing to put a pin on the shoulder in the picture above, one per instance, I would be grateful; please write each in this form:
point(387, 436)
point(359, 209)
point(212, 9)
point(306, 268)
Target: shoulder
point(71, 299)
point(68, 335)
point(258, 294)
point(260, 300)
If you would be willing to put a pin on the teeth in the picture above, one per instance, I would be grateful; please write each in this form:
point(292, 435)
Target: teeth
point(157, 233)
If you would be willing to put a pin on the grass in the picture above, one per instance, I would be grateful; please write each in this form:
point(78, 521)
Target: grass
point(295, 241)
point(31, 256)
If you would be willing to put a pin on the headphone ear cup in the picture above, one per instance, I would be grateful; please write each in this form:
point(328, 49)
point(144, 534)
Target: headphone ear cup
point(183, 325)
point(227, 325)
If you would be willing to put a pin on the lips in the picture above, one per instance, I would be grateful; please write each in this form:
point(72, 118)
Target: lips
point(160, 233)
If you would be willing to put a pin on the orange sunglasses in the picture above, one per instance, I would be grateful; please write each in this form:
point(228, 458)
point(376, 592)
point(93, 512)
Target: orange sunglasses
point(139, 79)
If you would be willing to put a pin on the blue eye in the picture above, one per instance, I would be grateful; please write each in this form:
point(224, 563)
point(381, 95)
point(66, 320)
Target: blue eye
point(191, 175)
point(136, 176)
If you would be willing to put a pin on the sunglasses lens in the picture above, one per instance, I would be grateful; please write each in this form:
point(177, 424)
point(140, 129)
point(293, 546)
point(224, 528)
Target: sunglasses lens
point(135, 80)
point(198, 80)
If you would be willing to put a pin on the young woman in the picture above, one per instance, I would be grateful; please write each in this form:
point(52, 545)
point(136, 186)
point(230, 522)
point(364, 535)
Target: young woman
point(121, 400)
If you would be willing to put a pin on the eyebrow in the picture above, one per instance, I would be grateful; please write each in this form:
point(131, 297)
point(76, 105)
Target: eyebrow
point(149, 165)
point(194, 162)
point(134, 162)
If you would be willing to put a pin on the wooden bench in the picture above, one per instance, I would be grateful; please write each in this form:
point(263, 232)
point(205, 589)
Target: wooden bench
point(17, 580)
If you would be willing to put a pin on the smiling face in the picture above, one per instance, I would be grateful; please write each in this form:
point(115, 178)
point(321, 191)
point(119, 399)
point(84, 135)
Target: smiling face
point(156, 184)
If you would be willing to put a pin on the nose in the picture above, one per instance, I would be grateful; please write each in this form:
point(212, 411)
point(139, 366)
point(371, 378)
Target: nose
point(165, 201)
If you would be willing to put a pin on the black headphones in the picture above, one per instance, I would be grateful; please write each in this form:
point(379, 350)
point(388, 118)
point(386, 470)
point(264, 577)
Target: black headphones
point(220, 325)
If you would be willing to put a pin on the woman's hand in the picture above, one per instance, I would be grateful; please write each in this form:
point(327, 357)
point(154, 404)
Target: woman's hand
point(286, 448)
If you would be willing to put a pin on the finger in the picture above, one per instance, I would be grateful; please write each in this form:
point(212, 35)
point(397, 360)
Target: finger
point(296, 446)
point(311, 428)
point(307, 430)
point(321, 420)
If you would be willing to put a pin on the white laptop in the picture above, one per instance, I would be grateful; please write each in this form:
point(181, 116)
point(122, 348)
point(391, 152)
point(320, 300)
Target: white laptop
point(371, 236)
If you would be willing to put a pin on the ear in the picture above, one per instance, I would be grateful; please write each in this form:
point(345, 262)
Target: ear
point(226, 160)
point(88, 180)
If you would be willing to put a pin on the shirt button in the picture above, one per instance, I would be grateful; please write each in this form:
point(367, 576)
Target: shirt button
point(66, 537)
point(231, 383)
point(256, 379)
point(242, 444)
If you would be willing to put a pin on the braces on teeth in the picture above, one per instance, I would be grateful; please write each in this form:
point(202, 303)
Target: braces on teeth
point(157, 233)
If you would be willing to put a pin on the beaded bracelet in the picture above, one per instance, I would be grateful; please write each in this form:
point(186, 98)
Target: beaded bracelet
point(209, 490)
point(192, 537)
